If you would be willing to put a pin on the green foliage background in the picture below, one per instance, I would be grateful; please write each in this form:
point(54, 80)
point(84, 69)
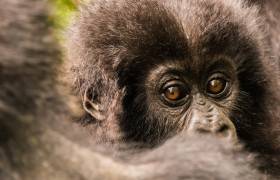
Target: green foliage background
point(61, 13)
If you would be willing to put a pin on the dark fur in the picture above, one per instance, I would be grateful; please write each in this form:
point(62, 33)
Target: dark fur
point(38, 142)
point(116, 45)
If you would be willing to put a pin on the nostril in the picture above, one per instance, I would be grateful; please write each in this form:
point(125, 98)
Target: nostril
point(223, 129)
point(226, 131)
point(203, 131)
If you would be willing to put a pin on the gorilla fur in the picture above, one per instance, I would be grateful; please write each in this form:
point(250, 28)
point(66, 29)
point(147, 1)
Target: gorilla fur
point(37, 140)
point(114, 45)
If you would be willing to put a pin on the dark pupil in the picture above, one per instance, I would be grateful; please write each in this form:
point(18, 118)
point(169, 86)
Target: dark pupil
point(216, 86)
point(173, 93)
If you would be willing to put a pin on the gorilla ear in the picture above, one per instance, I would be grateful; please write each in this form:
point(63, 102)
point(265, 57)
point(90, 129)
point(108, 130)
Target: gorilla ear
point(91, 107)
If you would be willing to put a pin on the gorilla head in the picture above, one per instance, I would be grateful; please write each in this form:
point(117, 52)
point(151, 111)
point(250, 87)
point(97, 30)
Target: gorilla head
point(149, 69)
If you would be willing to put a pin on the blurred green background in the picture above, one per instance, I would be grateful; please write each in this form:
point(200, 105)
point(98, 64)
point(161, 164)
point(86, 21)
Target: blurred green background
point(61, 14)
point(62, 11)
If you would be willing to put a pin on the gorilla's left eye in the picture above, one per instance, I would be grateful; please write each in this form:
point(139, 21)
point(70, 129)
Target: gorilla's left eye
point(216, 86)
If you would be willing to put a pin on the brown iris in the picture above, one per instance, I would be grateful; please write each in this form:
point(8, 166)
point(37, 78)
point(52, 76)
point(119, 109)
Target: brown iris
point(216, 86)
point(173, 93)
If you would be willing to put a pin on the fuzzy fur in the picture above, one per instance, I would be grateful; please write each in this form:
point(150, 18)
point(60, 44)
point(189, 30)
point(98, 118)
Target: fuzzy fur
point(37, 140)
point(116, 44)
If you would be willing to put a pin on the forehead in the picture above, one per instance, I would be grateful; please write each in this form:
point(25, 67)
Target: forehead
point(131, 32)
point(184, 29)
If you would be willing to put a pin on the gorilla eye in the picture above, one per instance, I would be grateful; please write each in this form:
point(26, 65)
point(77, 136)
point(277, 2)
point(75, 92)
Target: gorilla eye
point(174, 93)
point(216, 86)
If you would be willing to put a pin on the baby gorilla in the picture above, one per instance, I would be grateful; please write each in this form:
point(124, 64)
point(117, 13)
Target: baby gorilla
point(148, 69)
point(37, 140)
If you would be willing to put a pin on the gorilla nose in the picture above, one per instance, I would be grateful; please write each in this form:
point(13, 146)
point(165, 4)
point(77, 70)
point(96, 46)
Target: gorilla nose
point(219, 126)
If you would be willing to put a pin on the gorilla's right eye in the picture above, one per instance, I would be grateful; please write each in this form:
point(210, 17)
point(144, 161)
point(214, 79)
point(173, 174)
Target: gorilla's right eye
point(174, 93)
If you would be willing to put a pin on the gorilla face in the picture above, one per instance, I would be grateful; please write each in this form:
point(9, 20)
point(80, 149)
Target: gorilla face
point(183, 95)
point(151, 69)
point(197, 92)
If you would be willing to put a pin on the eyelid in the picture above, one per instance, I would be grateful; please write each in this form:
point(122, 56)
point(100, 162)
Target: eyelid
point(218, 75)
point(173, 83)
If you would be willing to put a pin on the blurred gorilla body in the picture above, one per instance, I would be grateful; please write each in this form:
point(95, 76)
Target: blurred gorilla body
point(38, 142)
